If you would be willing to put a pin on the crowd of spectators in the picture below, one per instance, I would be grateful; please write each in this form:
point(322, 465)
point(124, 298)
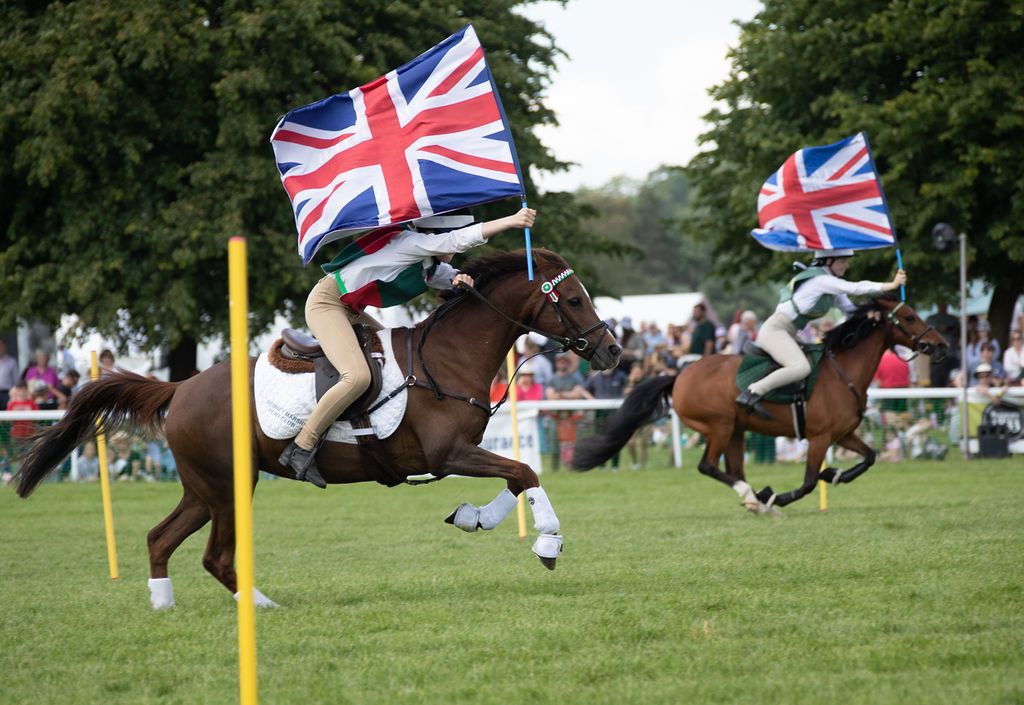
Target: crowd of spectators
point(42, 387)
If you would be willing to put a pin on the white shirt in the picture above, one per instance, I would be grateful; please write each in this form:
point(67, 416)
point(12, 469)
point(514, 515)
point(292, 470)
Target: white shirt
point(1012, 362)
point(8, 372)
point(812, 289)
point(411, 247)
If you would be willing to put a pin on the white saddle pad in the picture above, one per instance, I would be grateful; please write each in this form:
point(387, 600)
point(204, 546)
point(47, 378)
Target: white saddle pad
point(284, 401)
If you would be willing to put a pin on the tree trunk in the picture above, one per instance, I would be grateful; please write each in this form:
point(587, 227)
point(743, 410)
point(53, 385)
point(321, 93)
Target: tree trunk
point(1000, 311)
point(181, 360)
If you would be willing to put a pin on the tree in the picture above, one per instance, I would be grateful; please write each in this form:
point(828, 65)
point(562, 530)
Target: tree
point(645, 216)
point(939, 90)
point(136, 134)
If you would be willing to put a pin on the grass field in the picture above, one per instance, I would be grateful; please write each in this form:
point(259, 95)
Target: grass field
point(909, 590)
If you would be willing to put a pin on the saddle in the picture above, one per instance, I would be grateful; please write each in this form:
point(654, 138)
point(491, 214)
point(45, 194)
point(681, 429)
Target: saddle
point(758, 364)
point(298, 353)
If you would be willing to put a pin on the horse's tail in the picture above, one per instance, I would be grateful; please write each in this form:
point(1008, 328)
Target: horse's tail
point(121, 400)
point(647, 403)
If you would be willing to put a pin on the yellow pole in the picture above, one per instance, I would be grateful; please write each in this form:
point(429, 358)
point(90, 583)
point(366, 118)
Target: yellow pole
point(108, 510)
point(510, 368)
point(823, 492)
point(241, 433)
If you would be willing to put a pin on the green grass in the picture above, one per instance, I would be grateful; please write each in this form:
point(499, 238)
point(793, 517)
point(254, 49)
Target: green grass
point(909, 590)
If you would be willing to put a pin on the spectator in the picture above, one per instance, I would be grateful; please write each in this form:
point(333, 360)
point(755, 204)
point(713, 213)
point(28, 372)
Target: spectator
point(977, 340)
point(88, 463)
point(893, 373)
point(42, 372)
point(638, 446)
point(68, 385)
point(498, 385)
point(107, 362)
point(949, 327)
point(653, 337)
point(988, 358)
point(746, 332)
point(986, 383)
point(542, 368)
point(567, 383)
point(21, 431)
point(41, 395)
point(1013, 358)
point(527, 386)
point(721, 339)
point(633, 348)
point(734, 328)
point(607, 384)
point(8, 374)
point(702, 340)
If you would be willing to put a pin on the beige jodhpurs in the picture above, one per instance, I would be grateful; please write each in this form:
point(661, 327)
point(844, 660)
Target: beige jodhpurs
point(330, 321)
point(777, 337)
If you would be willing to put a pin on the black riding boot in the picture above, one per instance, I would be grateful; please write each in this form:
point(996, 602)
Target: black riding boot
point(752, 403)
point(303, 462)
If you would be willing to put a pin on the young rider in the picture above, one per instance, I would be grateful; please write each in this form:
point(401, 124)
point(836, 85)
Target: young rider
point(384, 268)
point(809, 295)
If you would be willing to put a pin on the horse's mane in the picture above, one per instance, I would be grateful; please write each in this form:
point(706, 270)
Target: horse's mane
point(489, 268)
point(854, 329)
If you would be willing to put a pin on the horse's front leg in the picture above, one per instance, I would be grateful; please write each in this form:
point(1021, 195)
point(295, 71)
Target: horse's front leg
point(852, 442)
point(467, 459)
point(816, 449)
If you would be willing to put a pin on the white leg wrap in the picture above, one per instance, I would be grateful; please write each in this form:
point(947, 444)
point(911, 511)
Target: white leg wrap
point(500, 507)
point(548, 546)
point(544, 519)
point(745, 491)
point(161, 593)
point(259, 599)
point(466, 517)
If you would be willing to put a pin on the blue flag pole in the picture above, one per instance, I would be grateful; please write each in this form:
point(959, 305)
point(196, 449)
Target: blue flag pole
point(885, 204)
point(529, 248)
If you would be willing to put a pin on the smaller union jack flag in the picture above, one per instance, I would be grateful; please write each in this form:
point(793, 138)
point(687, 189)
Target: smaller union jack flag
point(825, 198)
point(427, 138)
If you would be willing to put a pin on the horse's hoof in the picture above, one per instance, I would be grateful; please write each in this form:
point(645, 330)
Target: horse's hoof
point(547, 547)
point(548, 563)
point(752, 507)
point(450, 519)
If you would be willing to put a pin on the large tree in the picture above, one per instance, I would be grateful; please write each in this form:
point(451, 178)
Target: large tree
point(939, 89)
point(135, 142)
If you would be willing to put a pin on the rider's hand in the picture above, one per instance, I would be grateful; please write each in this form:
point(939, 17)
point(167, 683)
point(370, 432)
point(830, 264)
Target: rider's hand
point(899, 280)
point(462, 280)
point(523, 219)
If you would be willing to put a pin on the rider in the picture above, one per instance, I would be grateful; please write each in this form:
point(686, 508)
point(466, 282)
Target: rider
point(809, 295)
point(384, 268)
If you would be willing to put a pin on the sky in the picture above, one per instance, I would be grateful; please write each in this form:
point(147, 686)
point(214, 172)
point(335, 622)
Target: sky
point(632, 91)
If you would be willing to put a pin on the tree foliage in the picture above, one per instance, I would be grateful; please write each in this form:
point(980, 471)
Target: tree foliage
point(645, 216)
point(939, 89)
point(136, 135)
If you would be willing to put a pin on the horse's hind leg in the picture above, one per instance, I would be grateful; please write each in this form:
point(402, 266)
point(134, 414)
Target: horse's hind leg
point(851, 442)
point(715, 444)
point(816, 448)
point(189, 516)
point(219, 558)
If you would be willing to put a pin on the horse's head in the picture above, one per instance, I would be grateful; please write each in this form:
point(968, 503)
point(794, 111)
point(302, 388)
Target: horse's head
point(904, 327)
point(555, 304)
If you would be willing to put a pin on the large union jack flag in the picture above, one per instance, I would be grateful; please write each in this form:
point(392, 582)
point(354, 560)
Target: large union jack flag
point(825, 198)
point(427, 138)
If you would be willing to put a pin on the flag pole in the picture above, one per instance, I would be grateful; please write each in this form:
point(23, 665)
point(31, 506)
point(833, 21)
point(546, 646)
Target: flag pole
point(885, 204)
point(529, 247)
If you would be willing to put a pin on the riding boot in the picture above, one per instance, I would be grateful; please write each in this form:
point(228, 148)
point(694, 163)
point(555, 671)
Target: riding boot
point(303, 462)
point(751, 402)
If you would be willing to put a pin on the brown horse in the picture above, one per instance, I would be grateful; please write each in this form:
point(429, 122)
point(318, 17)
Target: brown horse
point(458, 349)
point(704, 394)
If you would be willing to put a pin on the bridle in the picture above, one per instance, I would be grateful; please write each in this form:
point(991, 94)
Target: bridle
point(915, 340)
point(578, 341)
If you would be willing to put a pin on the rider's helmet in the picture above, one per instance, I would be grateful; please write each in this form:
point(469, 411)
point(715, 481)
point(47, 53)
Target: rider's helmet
point(445, 222)
point(824, 258)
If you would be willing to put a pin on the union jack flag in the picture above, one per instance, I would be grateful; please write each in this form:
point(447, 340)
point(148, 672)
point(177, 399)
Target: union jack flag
point(427, 138)
point(825, 198)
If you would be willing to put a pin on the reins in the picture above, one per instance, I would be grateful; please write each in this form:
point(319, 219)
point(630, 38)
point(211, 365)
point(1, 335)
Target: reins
point(578, 342)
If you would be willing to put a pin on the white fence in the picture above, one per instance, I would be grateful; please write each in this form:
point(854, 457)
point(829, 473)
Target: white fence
point(954, 395)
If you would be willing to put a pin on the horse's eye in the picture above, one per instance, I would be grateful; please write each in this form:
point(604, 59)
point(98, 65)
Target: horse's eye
point(575, 302)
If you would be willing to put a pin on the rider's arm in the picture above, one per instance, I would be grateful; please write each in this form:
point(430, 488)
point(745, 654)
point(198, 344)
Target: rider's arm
point(451, 242)
point(829, 284)
point(442, 276)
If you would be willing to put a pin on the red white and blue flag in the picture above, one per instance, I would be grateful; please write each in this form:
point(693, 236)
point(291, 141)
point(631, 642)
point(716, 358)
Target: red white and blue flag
point(427, 138)
point(825, 198)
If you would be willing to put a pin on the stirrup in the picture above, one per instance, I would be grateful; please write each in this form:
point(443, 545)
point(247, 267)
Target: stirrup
point(303, 463)
point(751, 403)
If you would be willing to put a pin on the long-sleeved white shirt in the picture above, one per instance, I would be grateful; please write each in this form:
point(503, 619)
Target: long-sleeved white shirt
point(813, 289)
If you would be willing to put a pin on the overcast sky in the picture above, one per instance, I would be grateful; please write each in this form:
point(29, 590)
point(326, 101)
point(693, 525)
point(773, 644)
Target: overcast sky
point(631, 94)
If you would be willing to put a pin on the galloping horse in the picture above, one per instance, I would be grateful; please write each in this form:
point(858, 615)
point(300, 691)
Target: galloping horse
point(459, 348)
point(703, 396)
